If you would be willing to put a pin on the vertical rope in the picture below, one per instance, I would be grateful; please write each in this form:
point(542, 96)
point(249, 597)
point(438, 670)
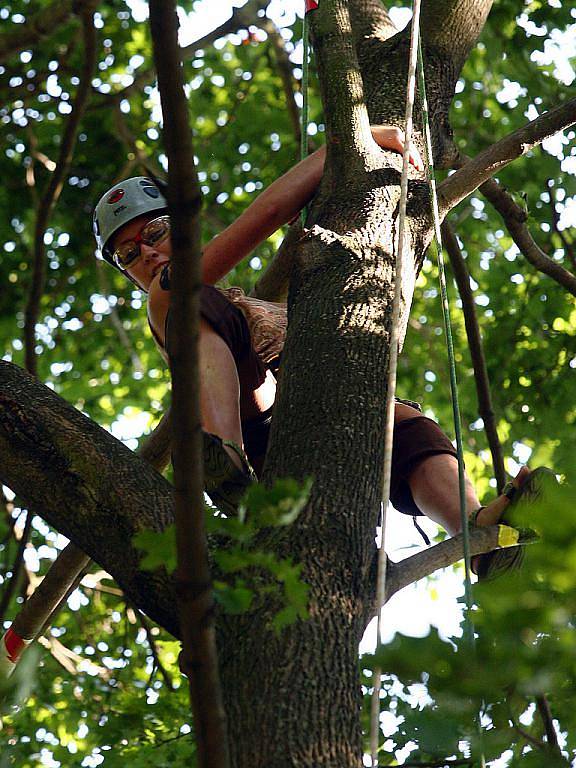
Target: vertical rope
point(468, 623)
point(392, 369)
point(305, 107)
point(450, 347)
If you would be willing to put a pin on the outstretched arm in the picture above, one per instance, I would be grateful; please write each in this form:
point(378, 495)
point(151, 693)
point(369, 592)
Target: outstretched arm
point(278, 204)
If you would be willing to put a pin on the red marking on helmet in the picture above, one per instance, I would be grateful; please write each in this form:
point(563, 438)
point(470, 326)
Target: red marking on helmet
point(118, 194)
point(311, 5)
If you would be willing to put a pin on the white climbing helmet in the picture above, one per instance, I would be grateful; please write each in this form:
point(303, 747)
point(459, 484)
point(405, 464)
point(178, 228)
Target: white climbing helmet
point(123, 203)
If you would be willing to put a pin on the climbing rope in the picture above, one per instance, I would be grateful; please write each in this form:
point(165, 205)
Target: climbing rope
point(468, 620)
point(449, 342)
point(392, 369)
point(310, 5)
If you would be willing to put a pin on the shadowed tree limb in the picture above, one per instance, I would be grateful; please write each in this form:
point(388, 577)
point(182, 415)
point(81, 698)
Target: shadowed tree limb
point(481, 379)
point(68, 568)
point(481, 168)
point(199, 658)
point(53, 190)
point(272, 285)
point(515, 218)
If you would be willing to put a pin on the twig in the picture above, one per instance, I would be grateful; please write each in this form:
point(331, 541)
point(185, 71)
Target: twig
point(54, 188)
point(148, 163)
point(462, 183)
point(566, 243)
point(123, 337)
point(515, 219)
point(193, 581)
point(16, 567)
point(485, 409)
point(286, 72)
point(154, 650)
point(545, 713)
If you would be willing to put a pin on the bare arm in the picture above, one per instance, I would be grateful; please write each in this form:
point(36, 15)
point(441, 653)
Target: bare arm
point(277, 205)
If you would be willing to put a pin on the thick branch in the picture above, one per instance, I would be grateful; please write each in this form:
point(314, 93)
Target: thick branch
point(86, 484)
point(71, 563)
point(485, 409)
point(462, 183)
point(452, 27)
point(50, 197)
point(348, 138)
point(194, 588)
point(370, 22)
point(515, 219)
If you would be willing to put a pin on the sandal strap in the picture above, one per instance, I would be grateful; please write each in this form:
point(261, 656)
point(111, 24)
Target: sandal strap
point(472, 520)
point(242, 456)
point(510, 490)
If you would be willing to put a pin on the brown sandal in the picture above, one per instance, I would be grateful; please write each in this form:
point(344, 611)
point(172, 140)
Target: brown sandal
point(224, 482)
point(493, 564)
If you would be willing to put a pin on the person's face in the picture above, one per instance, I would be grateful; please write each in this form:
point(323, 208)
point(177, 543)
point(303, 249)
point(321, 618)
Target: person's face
point(151, 259)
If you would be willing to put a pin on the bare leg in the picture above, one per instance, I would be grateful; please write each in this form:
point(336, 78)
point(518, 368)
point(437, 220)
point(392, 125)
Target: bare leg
point(219, 388)
point(220, 391)
point(435, 488)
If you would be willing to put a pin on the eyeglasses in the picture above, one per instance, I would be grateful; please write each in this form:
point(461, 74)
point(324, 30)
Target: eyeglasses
point(152, 233)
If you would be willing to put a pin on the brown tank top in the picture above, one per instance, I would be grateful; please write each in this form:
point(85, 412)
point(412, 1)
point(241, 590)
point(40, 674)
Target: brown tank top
point(266, 321)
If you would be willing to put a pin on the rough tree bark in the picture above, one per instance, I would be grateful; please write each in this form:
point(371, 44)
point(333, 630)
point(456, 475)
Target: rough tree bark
point(292, 700)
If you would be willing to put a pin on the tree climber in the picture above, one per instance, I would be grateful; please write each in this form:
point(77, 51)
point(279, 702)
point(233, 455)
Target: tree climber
point(241, 339)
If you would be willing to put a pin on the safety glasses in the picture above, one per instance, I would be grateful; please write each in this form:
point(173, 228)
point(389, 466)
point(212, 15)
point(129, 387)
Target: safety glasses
point(152, 233)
